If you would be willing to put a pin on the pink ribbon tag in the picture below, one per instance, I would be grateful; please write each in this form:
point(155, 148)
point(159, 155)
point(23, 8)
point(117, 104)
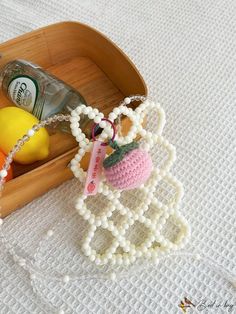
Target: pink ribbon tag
point(95, 168)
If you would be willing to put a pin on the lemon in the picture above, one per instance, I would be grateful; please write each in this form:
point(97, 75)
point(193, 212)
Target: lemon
point(14, 123)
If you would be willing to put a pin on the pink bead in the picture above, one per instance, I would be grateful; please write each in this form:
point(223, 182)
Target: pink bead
point(129, 173)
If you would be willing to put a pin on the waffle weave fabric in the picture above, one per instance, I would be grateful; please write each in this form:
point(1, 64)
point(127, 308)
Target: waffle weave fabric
point(186, 52)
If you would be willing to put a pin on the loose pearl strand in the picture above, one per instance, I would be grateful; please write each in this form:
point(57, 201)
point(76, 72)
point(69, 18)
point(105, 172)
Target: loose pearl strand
point(131, 98)
point(134, 271)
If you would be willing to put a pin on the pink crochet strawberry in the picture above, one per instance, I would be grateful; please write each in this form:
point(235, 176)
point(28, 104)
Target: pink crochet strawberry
point(127, 167)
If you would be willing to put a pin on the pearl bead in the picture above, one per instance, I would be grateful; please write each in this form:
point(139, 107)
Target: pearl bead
point(74, 119)
point(109, 255)
point(113, 276)
point(1, 221)
point(104, 260)
point(98, 223)
point(103, 136)
point(91, 219)
point(49, 233)
point(3, 173)
point(75, 132)
point(105, 192)
point(101, 115)
point(91, 115)
point(91, 232)
point(87, 215)
point(98, 261)
point(86, 110)
point(126, 261)
point(100, 188)
point(142, 219)
point(108, 130)
point(146, 147)
point(32, 276)
point(97, 119)
point(111, 226)
point(144, 249)
point(74, 162)
point(126, 248)
point(21, 262)
point(131, 222)
point(115, 232)
point(113, 248)
point(93, 228)
point(104, 224)
point(127, 100)
point(126, 226)
point(132, 250)
point(31, 132)
point(143, 132)
point(128, 138)
point(86, 245)
point(83, 143)
point(117, 111)
point(77, 157)
point(92, 258)
point(74, 113)
point(112, 116)
point(109, 213)
point(198, 257)
point(87, 252)
point(138, 253)
point(66, 279)
point(81, 210)
point(113, 261)
point(122, 232)
point(81, 152)
point(132, 258)
point(119, 260)
point(80, 137)
point(80, 108)
point(102, 124)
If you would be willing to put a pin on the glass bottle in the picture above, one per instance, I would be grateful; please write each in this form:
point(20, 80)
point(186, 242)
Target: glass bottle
point(35, 90)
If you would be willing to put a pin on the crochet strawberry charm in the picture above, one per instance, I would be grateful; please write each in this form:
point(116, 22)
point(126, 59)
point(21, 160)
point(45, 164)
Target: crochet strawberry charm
point(128, 166)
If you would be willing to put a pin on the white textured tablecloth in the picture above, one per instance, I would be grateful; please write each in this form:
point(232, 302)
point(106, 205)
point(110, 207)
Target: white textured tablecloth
point(186, 51)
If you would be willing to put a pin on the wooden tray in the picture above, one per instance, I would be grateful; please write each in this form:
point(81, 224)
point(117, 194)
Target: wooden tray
point(88, 61)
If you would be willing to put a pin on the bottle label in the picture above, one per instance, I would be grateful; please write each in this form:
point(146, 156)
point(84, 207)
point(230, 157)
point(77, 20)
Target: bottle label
point(23, 91)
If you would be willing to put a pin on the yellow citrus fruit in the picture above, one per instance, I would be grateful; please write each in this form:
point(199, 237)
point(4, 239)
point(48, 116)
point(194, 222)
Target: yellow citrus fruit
point(14, 123)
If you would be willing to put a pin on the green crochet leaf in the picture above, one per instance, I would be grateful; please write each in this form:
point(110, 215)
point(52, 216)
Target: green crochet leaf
point(119, 153)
